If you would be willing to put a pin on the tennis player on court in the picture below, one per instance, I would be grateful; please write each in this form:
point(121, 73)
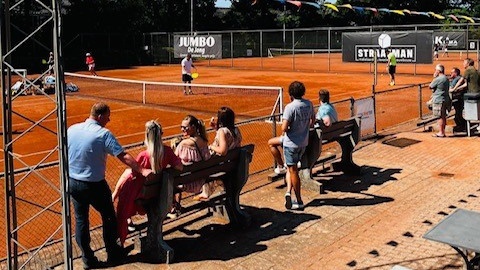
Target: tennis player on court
point(187, 64)
point(391, 66)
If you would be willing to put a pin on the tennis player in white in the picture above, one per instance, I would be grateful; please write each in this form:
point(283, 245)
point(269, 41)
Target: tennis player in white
point(187, 64)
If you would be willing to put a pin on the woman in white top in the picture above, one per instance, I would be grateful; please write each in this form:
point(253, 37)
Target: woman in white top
point(228, 136)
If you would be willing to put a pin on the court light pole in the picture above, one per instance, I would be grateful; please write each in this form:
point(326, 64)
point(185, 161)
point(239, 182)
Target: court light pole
point(191, 16)
point(284, 19)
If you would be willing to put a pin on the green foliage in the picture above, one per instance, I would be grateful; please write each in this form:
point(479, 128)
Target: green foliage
point(132, 16)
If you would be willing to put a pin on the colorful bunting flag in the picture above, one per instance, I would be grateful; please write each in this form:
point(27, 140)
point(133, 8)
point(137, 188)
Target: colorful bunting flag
point(400, 12)
point(332, 6)
point(466, 18)
point(346, 6)
point(311, 4)
point(296, 3)
point(453, 17)
point(375, 10)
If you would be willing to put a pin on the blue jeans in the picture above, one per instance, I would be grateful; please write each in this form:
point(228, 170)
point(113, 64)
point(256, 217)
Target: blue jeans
point(99, 196)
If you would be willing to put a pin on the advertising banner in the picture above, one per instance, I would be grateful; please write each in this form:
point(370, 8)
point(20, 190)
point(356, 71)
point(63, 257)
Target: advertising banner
point(408, 47)
point(200, 46)
point(455, 40)
point(364, 108)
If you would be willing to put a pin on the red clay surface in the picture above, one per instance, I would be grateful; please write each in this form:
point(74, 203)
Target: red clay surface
point(127, 119)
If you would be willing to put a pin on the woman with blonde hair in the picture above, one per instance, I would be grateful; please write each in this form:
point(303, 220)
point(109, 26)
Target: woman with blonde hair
point(156, 157)
point(193, 148)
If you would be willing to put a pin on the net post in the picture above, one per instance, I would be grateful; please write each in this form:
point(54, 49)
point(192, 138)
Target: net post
point(144, 94)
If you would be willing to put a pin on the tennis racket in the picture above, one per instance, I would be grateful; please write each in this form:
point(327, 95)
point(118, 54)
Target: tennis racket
point(195, 75)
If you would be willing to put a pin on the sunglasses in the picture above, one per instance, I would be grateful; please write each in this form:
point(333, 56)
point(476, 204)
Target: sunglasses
point(184, 127)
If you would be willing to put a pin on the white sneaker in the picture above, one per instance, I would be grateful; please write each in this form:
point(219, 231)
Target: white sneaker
point(280, 170)
point(297, 206)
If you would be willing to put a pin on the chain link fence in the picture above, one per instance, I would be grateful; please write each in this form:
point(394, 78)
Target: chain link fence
point(391, 107)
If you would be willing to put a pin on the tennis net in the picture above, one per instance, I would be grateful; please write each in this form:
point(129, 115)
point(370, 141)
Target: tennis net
point(272, 52)
point(251, 101)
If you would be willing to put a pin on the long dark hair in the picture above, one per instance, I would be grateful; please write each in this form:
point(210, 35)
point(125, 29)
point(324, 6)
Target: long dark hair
point(226, 118)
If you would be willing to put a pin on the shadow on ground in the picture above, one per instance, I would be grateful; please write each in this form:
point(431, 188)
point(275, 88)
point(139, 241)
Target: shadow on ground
point(340, 182)
point(222, 242)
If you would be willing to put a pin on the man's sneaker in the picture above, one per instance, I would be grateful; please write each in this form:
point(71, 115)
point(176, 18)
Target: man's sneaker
point(297, 206)
point(280, 170)
point(288, 200)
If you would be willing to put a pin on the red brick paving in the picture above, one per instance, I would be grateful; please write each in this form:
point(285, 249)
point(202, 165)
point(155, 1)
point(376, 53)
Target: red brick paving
point(372, 221)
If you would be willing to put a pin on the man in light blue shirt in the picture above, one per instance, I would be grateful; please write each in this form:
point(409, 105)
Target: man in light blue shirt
point(326, 112)
point(88, 145)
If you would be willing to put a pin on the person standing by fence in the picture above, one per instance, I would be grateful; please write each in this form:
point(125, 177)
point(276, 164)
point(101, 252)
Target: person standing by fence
point(298, 116)
point(440, 98)
point(470, 78)
point(457, 100)
point(89, 143)
point(90, 61)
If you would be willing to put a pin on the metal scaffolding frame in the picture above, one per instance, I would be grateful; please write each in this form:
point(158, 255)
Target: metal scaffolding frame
point(21, 171)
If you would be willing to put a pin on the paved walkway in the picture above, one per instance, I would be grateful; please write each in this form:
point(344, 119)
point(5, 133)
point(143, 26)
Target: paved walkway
point(374, 221)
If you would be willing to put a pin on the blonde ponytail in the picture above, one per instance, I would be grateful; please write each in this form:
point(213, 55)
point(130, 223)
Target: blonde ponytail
point(154, 143)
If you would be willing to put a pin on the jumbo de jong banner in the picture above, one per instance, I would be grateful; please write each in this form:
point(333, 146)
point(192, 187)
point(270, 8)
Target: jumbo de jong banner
point(200, 46)
point(408, 47)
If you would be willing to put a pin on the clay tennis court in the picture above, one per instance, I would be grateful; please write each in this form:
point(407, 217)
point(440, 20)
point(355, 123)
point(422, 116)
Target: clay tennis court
point(128, 117)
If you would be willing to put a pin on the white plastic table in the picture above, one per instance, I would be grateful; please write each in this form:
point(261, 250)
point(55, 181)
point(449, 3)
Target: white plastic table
point(461, 231)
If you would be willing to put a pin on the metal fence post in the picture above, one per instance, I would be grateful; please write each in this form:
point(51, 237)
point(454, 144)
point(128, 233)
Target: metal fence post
point(420, 102)
point(274, 134)
point(374, 110)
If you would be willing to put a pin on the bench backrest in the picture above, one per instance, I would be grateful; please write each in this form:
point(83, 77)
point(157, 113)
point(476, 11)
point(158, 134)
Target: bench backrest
point(318, 136)
point(216, 164)
point(197, 170)
point(342, 128)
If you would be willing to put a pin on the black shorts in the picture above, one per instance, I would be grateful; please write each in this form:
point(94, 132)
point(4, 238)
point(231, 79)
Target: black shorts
point(392, 69)
point(186, 78)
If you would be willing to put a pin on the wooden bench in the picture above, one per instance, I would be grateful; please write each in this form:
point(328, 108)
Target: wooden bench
point(347, 134)
point(232, 169)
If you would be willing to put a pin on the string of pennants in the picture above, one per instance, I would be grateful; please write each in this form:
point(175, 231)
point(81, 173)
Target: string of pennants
point(375, 11)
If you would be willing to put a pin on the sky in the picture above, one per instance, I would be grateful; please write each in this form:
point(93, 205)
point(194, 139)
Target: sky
point(226, 3)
